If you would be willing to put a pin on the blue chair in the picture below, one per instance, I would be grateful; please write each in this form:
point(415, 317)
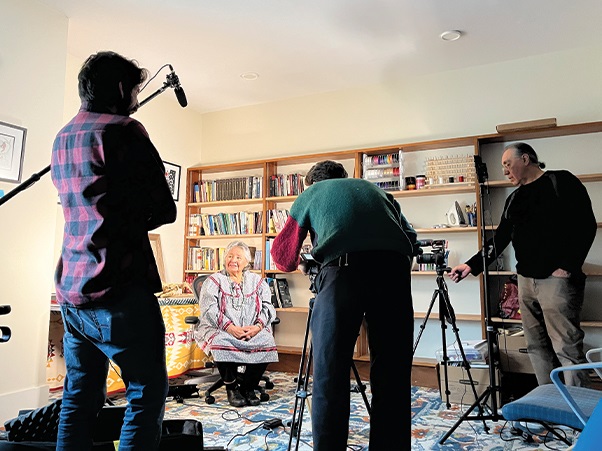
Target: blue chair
point(589, 439)
point(559, 404)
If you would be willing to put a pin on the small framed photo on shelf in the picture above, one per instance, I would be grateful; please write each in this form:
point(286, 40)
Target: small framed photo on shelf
point(172, 174)
point(12, 150)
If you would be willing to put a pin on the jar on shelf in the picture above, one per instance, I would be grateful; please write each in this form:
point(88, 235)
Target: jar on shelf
point(420, 181)
point(410, 183)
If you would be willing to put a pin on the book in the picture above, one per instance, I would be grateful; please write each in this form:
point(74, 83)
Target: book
point(271, 283)
point(282, 293)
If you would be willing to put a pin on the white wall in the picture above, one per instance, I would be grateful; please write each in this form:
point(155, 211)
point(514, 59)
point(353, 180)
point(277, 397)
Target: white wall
point(465, 102)
point(32, 82)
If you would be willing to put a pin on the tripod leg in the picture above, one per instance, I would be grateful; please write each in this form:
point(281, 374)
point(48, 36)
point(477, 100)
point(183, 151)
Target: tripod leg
point(466, 414)
point(423, 325)
point(301, 392)
point(361, 386)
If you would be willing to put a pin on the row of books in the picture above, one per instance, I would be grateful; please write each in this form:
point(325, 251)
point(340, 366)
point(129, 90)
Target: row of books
point(202, 258)
point(277, 219)
point(205, 258)
point(250, 187)
point(240, 223)
point(286, 185)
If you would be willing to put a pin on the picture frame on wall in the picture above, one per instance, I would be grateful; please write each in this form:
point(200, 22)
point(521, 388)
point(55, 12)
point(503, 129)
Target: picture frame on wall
point(12, 150)
point(172, 174)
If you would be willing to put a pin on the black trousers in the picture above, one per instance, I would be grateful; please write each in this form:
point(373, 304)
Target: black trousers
point(247, 380)
point(375, 285)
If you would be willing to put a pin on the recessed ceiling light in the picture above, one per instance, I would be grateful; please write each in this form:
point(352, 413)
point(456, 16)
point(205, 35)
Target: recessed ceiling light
point(249, 76)
point(451, 35)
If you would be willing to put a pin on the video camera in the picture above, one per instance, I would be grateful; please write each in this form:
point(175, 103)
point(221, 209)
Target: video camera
point(437, 256)
point(312, 267)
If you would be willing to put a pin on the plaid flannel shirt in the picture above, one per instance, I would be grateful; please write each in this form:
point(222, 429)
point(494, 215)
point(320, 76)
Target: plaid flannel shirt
point(112, 187)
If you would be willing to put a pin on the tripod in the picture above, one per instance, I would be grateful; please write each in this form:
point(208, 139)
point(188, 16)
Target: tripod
point(302, 393)
point(447, 315)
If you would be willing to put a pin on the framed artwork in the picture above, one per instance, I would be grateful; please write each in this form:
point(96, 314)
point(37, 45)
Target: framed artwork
point(12, 149)
point(172, 174)
point(155, 241)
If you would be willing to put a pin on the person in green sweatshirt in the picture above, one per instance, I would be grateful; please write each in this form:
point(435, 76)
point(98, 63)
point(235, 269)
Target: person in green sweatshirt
point(364, 245)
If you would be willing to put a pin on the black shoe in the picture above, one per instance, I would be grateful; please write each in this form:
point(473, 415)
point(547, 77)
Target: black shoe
point(235, 398)
point(250, 397)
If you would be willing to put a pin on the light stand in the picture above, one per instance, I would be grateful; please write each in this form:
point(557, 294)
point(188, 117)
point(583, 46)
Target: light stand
point(493, 389)
point(171, 82)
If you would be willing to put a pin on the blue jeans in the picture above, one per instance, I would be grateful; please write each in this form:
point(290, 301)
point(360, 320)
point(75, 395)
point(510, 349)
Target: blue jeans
point(375, 286)
point(130, 331)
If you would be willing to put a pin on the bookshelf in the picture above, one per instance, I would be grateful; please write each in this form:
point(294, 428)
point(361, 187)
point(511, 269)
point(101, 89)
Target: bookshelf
point(252, 189)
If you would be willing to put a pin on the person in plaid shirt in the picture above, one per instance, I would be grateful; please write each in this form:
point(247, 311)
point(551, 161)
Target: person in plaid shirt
point(112, 187)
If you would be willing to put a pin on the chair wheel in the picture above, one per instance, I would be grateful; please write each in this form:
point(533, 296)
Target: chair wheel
point(209, 399)
point(269, 385)
point(264, 397)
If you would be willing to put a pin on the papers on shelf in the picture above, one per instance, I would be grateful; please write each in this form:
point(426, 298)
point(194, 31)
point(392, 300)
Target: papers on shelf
point(474, 350)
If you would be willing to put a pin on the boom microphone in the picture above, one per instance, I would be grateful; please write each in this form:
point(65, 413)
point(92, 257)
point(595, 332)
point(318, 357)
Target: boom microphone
point(174, 81)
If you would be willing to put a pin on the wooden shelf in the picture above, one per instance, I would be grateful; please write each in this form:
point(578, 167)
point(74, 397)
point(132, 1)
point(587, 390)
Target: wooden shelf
point(589, 269)
point(277, 271)
point(293, 309)
point(213, 271)
point(226, 203)
point(224, 237)
point(447, 230)
point(281, 199)
point(501, 273)
point(495, 226)
point(435, 191)
point(585, 178)
point(563, 130)
point(459, 316)
point(518, 321)
point(293, 350)
point(424, 361)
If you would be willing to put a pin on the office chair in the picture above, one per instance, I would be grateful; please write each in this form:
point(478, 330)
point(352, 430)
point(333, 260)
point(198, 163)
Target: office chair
point(557, 403)
point(194, 320)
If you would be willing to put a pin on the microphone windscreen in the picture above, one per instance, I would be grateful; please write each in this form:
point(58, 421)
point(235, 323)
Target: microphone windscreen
point(181, 96)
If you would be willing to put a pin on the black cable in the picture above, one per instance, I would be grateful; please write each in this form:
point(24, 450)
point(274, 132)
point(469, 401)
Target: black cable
point(153, 77)
point(242, 435)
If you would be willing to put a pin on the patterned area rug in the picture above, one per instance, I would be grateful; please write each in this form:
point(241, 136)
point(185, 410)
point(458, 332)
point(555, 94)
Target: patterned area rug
point(242, 429)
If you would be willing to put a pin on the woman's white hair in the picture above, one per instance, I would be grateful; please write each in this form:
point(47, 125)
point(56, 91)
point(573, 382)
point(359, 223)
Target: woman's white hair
point(245, 249)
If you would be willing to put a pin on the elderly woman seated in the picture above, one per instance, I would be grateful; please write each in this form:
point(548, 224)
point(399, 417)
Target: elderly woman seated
point(236, 324)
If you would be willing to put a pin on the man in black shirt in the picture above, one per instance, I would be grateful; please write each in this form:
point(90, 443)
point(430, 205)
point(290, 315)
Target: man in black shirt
point(549, 254)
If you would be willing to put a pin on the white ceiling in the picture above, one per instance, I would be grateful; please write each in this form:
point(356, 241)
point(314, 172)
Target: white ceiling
point(305, 47)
